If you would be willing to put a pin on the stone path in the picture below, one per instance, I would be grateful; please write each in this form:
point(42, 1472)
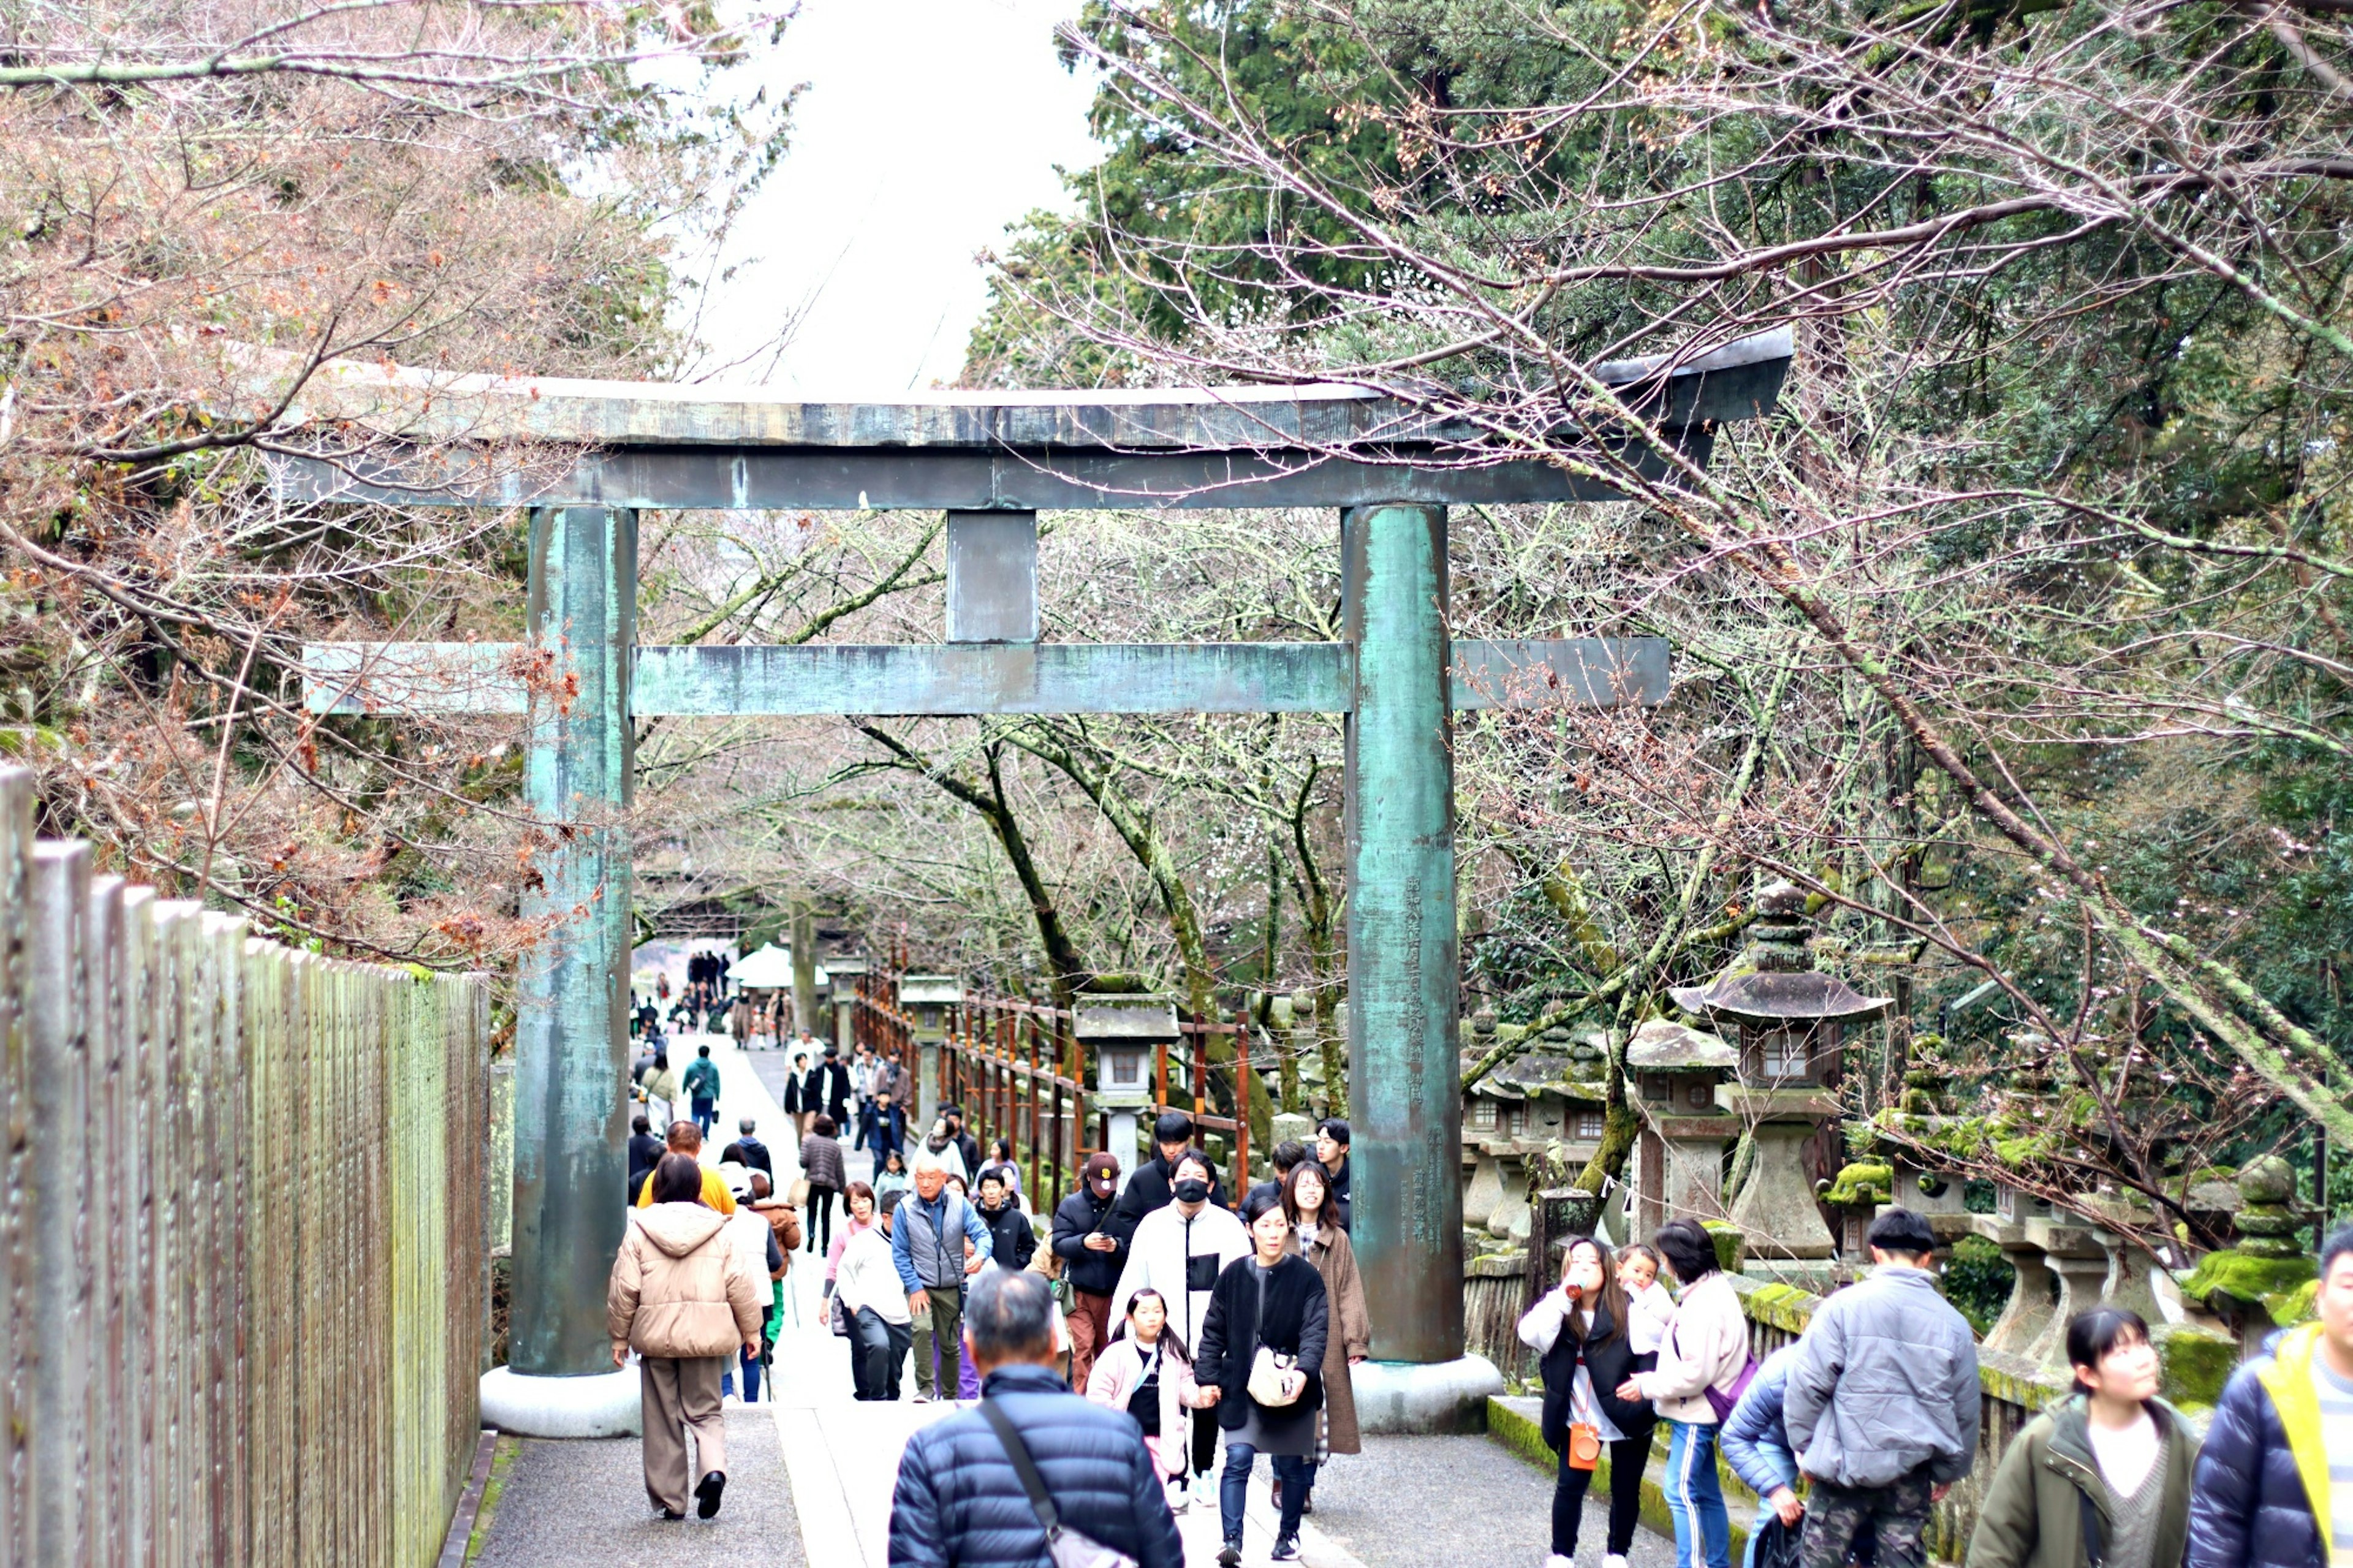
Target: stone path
point(812, 1473)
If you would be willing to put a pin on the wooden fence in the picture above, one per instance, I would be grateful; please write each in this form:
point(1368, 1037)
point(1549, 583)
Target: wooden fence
point(245, 1234)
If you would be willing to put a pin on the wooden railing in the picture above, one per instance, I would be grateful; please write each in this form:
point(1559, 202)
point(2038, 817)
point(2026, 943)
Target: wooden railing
point(1014, 1067)
point(245, 1241)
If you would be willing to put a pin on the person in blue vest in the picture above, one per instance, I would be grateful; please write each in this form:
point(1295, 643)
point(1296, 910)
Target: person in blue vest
point(701, 1085)
point(928, 1243)
point(962, 1501)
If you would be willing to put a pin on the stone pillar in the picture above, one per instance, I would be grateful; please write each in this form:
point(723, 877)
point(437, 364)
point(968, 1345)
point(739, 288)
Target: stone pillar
point(2073, 1252)
point(1776, 1207)
point(1404, 1078)
point(572, 1001)
point(2026, 1317)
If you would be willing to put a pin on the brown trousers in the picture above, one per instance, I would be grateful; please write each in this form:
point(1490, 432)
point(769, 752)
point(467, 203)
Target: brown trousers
point(680, 1394)
point(1089, 1321)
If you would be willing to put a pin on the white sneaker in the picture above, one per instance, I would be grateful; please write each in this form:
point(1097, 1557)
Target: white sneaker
point(1613, 1560)
point(730, 1402)
point(1555, 1560)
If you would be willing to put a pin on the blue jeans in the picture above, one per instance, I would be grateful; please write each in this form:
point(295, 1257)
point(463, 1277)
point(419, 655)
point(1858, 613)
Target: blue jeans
point(751, 1379)
point(706, 1111)
point(1233, 1489)
point(1695, 1496)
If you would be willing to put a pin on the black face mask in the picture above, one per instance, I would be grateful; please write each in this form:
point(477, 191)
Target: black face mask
point(1192, 1190)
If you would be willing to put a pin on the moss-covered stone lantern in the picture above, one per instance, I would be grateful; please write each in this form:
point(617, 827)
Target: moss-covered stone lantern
point(1672, 1073)
point(1791, 1020)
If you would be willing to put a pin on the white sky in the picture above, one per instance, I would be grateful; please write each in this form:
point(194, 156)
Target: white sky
point(927, 127)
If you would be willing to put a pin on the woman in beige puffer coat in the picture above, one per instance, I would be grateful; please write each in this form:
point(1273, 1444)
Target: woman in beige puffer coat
point(685, 1299)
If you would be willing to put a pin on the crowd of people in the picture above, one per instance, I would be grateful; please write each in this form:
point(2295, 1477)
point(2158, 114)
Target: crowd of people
point(1157, 1325)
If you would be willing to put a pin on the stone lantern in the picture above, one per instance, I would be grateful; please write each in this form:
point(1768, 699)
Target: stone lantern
point(1673, 1075)
point(1549, 1100)
point(1791, 1020)
point(1122, 1030)
point(926, 998)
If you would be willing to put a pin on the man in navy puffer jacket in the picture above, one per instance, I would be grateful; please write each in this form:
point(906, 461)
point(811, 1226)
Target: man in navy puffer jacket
point(960, 1504)
point(2262, 1496)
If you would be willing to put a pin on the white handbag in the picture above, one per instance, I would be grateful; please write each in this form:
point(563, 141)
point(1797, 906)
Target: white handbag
point(1270, 1378)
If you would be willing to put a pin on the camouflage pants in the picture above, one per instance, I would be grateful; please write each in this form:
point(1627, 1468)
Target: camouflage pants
point(1875, 1523)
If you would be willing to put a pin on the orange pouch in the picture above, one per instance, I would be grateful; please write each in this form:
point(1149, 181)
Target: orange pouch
point(1584, 1446)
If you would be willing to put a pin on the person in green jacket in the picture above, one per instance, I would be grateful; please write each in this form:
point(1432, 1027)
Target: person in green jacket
point(701, 1085)
point(2113, 1462)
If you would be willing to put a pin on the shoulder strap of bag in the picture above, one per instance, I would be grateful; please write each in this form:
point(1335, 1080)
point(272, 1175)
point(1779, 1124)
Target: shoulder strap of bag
point(2094, 1548)
point(1023, 1466)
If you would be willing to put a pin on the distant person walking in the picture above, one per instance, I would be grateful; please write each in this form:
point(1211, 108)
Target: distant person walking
point(645, 1152)
point(821, 1167)
point(1261, 1368)
point(686, 1138)
point(796, 1092)
point(1012, 1238)
point(977, 1490)
point(1091, 1259)
point(937, 1242)
point(756, 1153)
point(1305, 1200)
point(661, 1091)
point(686, 1301)
point(2274, 1486)
point(701, 1085)
point(1882, 1401)
point(1581, 1331)
point(1332, 1153)
point(1700, 1365)
point(873, 1304)
point(2100, 1479)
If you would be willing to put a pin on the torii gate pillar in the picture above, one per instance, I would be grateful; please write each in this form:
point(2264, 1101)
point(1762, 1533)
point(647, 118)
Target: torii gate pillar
point(572, 1010)
point(1404, 1072)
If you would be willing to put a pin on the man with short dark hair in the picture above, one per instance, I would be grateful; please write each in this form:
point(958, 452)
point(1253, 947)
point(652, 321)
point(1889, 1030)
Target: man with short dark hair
point(968, 1146)
point(645, 1151)
point(1332, 1153)
point(1149, 1189)
point(832, 1083)
point(1012, 1239)
point(701, 1085)
point(686, 1138)
point(2278, 1458)
point(1289, 1156)
point(1882, 1402)
point(960, 1498)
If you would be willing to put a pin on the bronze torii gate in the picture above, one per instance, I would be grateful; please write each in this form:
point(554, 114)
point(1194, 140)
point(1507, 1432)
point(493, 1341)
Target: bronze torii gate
point(992, 461)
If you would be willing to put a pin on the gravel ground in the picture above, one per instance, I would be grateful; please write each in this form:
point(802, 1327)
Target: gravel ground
point(1441, 1502)
point(580, 1504)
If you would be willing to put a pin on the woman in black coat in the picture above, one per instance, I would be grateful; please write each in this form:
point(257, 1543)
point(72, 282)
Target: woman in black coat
point(1580, 1330)
point(1274, 1301)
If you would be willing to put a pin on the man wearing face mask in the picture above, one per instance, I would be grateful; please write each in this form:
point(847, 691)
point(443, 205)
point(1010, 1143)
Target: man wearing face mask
point(1150, 1188)
point(1179, 1250)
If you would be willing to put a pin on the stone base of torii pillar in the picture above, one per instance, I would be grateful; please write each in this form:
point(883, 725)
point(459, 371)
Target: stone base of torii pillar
point(599, 1405)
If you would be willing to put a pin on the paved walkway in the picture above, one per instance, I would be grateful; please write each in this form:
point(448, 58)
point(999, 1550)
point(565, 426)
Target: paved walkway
point(811, 1474)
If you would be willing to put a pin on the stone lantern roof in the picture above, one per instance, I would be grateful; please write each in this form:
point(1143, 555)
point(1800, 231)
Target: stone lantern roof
point(1136, 1018)
point(1774, 983)
point(1661, 1046)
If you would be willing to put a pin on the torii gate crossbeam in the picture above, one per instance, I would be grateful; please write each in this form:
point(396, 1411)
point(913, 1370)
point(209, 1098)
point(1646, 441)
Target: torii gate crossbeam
point(991, 460)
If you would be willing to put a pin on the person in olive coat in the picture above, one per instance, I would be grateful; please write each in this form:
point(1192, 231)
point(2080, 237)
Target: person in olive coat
point(2113, 1463)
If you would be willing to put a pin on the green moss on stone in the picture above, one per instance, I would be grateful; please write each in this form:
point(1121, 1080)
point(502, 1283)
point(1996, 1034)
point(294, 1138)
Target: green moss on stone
point(1861, 1185)
point(2296, 1306)
point(2246, 1281)
point(1731, 1244)
point(2196, 1362)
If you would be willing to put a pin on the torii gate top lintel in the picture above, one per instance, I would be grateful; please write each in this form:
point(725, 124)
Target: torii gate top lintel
point(437, 439)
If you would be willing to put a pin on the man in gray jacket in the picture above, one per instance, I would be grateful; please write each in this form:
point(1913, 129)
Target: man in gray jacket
point(1882, 1403)
point(937, 1241)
